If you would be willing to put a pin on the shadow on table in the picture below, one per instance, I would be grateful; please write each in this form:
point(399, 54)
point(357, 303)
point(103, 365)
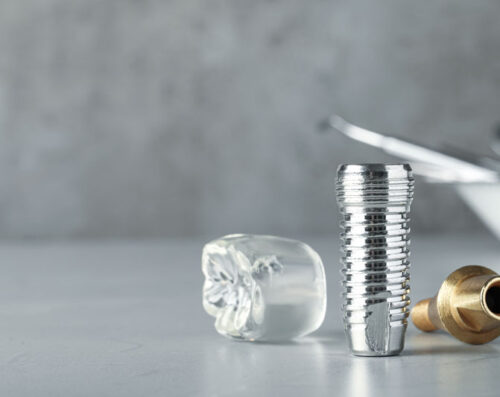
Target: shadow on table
point(440, 343)
point(323, 337)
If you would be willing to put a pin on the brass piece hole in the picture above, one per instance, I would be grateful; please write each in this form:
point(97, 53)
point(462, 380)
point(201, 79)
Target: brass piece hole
point(492, 299)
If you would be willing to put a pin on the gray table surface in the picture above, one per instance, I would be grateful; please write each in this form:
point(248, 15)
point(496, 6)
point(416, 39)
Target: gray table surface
point(125, 319)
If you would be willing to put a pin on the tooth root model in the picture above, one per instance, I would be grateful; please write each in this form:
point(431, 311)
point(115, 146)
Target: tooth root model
point(374, 202)
point(467, 306)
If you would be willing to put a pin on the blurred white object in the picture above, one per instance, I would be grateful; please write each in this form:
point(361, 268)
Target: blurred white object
point(263, 288)
point(484, 199)
point(476, 179)
point(495, 142)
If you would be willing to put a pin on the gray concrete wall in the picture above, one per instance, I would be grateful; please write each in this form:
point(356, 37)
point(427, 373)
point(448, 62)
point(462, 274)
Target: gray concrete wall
point(186, 117)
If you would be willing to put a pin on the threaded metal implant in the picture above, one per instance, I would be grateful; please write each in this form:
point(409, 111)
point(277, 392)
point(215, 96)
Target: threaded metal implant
point(374, 202)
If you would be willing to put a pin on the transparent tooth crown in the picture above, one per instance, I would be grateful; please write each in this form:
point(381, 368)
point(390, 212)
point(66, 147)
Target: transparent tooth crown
point(263, 288)
point(374, 202)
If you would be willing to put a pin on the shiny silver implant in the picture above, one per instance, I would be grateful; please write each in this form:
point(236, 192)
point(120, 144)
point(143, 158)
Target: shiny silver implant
point(374, 202)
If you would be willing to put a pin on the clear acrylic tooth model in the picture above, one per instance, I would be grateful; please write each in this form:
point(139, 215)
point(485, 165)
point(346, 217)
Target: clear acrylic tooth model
point(263, 288)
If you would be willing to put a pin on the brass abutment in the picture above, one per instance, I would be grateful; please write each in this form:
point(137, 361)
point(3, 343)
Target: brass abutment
point(467, 306)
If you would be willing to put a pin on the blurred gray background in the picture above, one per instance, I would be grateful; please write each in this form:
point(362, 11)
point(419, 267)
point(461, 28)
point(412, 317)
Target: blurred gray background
point(152, 118)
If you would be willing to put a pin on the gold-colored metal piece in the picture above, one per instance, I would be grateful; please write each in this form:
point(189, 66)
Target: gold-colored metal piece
point(467, 306)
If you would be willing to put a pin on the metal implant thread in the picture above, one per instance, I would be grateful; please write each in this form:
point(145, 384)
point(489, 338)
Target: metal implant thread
point(374, 202)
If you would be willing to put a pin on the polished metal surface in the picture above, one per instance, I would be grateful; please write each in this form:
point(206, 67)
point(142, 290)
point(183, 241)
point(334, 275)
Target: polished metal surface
point(374, 201)
point(436, 164)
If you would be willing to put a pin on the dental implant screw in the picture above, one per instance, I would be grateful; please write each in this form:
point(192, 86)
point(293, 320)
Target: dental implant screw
point(374, 202)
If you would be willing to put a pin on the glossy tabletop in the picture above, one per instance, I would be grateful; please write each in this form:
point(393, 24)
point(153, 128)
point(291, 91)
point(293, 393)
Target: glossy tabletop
point(125, 319)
